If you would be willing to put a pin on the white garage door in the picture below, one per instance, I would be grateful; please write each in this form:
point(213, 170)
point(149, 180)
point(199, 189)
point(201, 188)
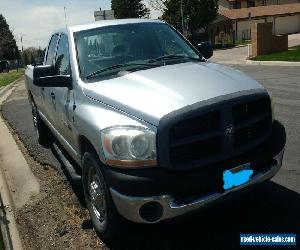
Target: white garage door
point(287, 25)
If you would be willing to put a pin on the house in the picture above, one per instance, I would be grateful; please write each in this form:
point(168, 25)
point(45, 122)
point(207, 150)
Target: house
point(104, 15)
point(236, 16)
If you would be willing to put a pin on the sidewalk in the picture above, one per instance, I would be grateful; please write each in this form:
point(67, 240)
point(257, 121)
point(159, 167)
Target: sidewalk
point(239, 55)
point(17, 182)
point(230, 56)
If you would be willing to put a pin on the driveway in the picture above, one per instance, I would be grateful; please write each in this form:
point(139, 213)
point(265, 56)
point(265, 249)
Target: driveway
point(238, 55)
point(294, 40)
point(230, 56)
point(273, 208)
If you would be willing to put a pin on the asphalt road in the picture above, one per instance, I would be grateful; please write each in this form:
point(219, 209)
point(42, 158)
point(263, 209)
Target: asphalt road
point(273, 208)
point(17, 112)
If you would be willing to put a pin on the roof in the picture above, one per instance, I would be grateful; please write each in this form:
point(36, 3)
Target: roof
point(261, 11)
point(104, 23)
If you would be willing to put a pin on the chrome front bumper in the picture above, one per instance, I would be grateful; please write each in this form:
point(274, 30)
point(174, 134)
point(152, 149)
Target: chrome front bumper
point(129, 207)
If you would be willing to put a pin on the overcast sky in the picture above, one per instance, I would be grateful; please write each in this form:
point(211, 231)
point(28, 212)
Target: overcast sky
point(36, 19)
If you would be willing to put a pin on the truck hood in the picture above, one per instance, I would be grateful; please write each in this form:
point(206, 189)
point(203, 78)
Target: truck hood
point(150, 94)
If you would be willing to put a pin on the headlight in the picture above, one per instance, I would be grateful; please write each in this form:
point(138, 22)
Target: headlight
point(129, 146)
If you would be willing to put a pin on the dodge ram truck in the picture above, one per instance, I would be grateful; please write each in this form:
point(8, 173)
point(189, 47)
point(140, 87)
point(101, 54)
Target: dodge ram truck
point(157, 130)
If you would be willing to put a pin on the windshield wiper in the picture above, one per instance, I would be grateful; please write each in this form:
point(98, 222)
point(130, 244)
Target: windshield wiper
point(135, 65)
point(172, 57)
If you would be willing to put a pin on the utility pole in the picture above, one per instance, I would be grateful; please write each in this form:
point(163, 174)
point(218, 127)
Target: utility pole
point(182, 18)
point(22, 49)
point(22, 43)
point(16, 60)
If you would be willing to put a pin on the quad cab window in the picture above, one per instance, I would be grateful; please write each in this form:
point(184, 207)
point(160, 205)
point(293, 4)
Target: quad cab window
point(51, 50)
point(62, 62)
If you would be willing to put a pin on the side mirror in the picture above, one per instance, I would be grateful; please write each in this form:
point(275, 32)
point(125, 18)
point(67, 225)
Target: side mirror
point(205, 49)
point(45, 76)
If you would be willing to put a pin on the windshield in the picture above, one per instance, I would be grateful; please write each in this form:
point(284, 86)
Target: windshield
point(109, 50)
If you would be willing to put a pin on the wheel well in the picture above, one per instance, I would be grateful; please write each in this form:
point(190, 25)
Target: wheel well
point(85, 145)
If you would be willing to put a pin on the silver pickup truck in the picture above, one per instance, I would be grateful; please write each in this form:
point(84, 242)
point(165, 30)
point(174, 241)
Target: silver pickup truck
point(157, 130)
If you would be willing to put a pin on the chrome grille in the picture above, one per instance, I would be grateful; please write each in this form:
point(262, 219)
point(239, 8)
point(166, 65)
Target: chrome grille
point(214, 131)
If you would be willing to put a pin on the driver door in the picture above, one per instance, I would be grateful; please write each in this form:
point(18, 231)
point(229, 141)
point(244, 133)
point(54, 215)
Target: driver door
point(63, 97)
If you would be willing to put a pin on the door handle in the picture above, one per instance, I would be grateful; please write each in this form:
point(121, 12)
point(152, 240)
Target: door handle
point(52, 95)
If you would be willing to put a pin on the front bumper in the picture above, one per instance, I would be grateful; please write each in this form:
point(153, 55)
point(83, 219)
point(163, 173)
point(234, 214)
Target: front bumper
point(169, 207)
point(155, 194)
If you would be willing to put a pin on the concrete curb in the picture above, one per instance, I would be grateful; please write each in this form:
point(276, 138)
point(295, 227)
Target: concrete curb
point(8, 148)
point(9, 229)
point(242, 45)
point(272, 63)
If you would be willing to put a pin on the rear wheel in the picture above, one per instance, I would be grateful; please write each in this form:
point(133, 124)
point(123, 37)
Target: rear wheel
point(44, 135)
point(104, 215)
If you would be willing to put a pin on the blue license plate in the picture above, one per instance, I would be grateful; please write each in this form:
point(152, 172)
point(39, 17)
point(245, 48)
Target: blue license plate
point(237, 176)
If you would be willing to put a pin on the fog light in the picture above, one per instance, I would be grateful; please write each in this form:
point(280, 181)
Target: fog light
point(151, 212)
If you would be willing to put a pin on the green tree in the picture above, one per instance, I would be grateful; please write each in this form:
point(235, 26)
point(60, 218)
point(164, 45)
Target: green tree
point(8, 45)
point(129, 9)
point(33, 55)
point(197, 13)
point(172, 13)
point(26, 58)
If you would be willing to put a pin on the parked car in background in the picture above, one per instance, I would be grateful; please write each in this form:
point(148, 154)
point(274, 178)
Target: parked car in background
point(157, 130)
point(4, 66)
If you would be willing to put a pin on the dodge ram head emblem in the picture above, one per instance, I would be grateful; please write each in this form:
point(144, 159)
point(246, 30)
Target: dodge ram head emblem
point(229, 131)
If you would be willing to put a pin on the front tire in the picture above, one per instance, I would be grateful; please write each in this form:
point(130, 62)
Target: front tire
point(44, 136)
point(104, 215)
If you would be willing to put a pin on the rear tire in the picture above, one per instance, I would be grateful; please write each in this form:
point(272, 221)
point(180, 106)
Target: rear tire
point(104, 215)
point(43, 133)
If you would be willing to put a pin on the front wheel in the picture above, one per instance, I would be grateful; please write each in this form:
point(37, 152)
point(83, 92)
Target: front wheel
point(104, 215)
